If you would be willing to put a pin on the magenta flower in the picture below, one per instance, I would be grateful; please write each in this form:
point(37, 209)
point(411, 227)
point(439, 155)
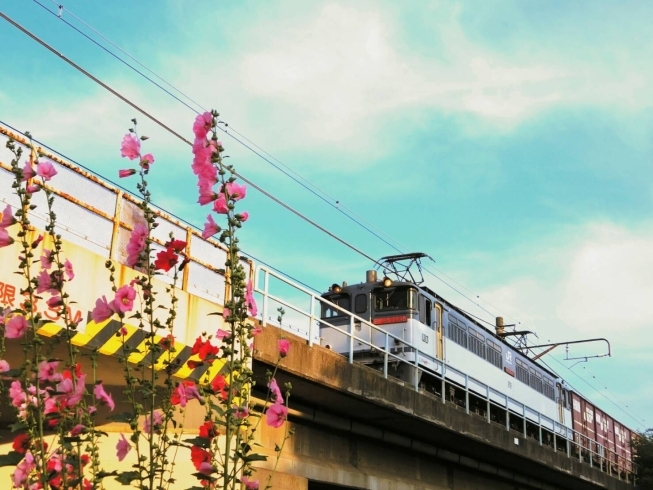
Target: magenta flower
point(54, 301)
point(72, 395)
point(48, 371)
point(249, 484)
point(241, 412)
point(202, 125)
point(46, 170)
point(236, 192)
point(28, 171)
point(7, 217)
point(244, 216)
point(206, 468)
point(206, 195)
point(222, 334)
point(226, 312)
point(102, 310)
point(122, 448)
point(250, 302)
point(130, 146)
point(16, 393)
point(152, 423)
point(77, 430)
point(126, 172)
point(46, 259)
point(275, 415)
point(4, 366)
point(37, 242)
point(136, 243)
point(32, 188)
point(5, 239)
point(283, 345)
point(44, 282)
point(210, 227)
point(146, 161)
point(68, 269)
point(16, 327)
point(124, 300)
point(103, 396)
point(220, 205)
point(277, 397)
point(23, 469)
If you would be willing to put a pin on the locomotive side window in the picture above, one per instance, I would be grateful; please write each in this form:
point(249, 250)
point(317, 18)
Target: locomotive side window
point(395, 299)
point(522, 371)
point(549, 391)
point(341, 300)
point(536, 380)
point(360, 303)
point(477, 343)
point(457, 332)
point(494, 356)
point(425, 307)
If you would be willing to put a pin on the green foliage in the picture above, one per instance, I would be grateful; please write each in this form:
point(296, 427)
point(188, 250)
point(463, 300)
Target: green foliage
point(643, 457)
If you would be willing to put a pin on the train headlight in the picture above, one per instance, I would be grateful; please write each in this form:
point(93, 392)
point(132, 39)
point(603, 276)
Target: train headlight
point(387, 282)
point(335, 288)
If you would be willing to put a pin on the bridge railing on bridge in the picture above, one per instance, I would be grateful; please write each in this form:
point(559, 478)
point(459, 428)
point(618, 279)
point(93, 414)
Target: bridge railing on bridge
point(302, 317)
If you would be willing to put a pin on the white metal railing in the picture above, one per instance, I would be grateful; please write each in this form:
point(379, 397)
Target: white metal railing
point(574, 442)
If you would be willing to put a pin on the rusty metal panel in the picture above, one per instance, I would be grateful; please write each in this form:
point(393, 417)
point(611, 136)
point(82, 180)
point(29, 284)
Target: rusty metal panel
point(80, 188)
point(205, 283)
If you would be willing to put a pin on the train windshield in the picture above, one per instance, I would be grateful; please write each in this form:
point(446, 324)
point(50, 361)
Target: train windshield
point(328, 311)
point(392, 299)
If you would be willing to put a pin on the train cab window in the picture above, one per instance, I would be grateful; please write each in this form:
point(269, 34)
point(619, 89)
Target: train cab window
point(425, 307)
point(399, 298)
point(360, 303)
point(341, 300)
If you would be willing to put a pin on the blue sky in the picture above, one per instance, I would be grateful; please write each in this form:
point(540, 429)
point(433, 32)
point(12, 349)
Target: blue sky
point(510, 141)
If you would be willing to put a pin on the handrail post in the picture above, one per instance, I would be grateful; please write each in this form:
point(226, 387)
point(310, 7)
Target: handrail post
point(416, 372)
point(444, 385)
point(351, 340)
point(385, 356)
point(524, 420)
point(487, 390)
point(311, 322)
point(555, 437)
point(539, 423)
point(466, 394)
point(266, 284)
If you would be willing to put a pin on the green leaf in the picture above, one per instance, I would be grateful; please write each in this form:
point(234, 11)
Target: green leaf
point(127, 477)
point(254, 457)
point(122, 417)
point(18, 426)
point(199, 441)
point(11, 459)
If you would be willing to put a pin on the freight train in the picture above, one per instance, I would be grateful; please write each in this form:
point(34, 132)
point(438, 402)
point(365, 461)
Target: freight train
point(401, 326)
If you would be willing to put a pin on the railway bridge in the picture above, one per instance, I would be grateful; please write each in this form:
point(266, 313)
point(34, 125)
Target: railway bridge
point(355, 427)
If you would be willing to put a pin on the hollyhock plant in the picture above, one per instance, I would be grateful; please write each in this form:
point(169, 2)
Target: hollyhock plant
point(276, 414)
point(250, 302)
point(68, 269)
point(249, 484)
point(103, 396)
point(122, 448)
point(28, 171)
point(275, 392)
point(16, 327)
point(102, 310)
point(46, 170)
point(220, 205)
point(46, 259)
point(202, 124)
point(210, 227)
point(124, 300)
point(48, 372)
point(136, 244)
point(130, 147)
point(166, 259)
point(126, 172)
point(4, 366)
point(283, 346)
point(146, 161)
point(236, 192)
point(7, 217)
point(5, 239)
point(153, 423)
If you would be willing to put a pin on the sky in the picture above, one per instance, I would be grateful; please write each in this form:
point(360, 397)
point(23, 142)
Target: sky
point(510, 141)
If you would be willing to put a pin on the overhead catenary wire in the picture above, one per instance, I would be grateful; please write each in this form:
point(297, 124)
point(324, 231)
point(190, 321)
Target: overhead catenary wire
point(261, 152)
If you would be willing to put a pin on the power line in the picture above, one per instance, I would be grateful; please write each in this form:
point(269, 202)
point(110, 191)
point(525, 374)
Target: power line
point(173, 132)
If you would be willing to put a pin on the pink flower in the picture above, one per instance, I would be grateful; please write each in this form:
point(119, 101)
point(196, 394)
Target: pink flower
point(102, 310)
point(202, 125)
point(28, 171)
point(146, 161)
point(244, 216)
point(32, 188)
point(122, 448)
point(46, 170)
point(210, 227)
point(77, 430)
point(275, 415)
point(220, 205)
point(72, 395)
point(226, 312)
point(241, 412)
point(255, 331)
point(206, 195)
point(7, 217)
point(235, 191)
point(136, 244)
point(44, 282)
point(37, 242)
point(283, 345)
point(23, 469)
point(4, 366)
point(249, 484)
point(206, 468)
point(126, 172)
point(130, 146)
point(68, 269)
point(54, 301)
point(5, 239)
point(16, 327)
point(250, 302)
point(275, 392)
point(124, 300)
point(222, 334)
point(48, 371)
point(46, 259)
point(103, 396)
point(152, 423)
